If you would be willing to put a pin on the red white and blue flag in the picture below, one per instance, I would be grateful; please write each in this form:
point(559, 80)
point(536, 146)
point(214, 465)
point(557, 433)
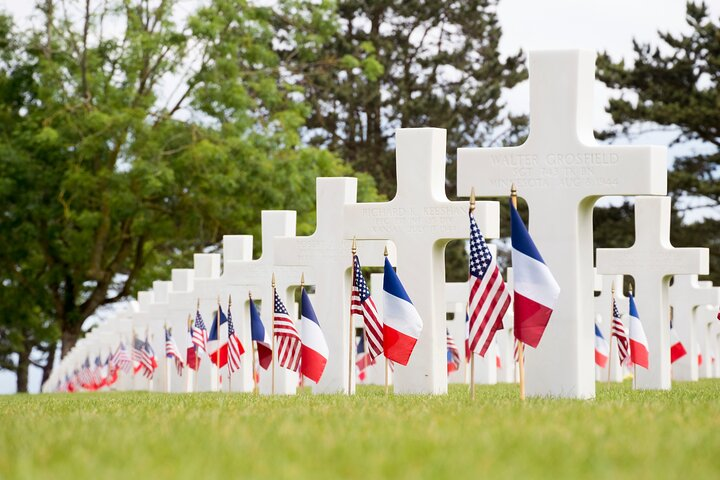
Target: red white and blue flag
point(235, 348)
point(638, 340)
point(617, 330)
point(145, 356)
point(602, 350)
point(402, 323)
point(99, 374)
point(289, 344)
point(217, 343)
point(172, 351)
point(199, 333)
point(112, 370)
point(536, 290)
point(363, 359)
point(362, 304)
point(122, 359)
point(260, 337)
point(489, 297)
point(315, 352)
point(677, 349)
point(453, 353)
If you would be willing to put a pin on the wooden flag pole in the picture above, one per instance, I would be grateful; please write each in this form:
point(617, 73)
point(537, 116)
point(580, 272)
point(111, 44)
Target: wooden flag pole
point(634, 382)
point(612, 316)
point(472, 355)
point(302, 287)
point(191, 372)
point(151, 384)
point(167, 363)
point(254, 353)
point(387, 364)
point(217, 352)
point(521, 354)
point(272, 365)
point(353, 250)
point(228, 363)
point(197, 358)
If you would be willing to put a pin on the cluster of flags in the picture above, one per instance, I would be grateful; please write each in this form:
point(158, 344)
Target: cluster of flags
point(395, 334)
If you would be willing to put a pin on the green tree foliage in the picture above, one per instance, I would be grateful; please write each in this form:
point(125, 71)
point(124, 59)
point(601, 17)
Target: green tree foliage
point(131, 137)
point(675, 87)
point(407, 64)
point(394, 64)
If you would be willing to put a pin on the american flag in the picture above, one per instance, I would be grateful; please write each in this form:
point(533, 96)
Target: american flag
point(122, 359)
point(172, 351)
point(617, 330)
point(199, 332)
point(489, 298)
point(362, 304)
point(289, 343)
point(145, 356)
point(453, 353)
point(99, 374)
point(363, 359)
point(85, 376)
point(235, 348)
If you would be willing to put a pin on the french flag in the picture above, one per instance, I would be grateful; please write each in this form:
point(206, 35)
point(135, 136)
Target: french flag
point(218, 349)
point(260, 337)
point(677, 349)
point(602, 350)
point(638, 340)
point(314, 351)
point(402, 322)
point(536, 290)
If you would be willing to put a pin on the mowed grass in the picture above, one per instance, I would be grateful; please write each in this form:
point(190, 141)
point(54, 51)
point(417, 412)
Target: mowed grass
point(133, 436)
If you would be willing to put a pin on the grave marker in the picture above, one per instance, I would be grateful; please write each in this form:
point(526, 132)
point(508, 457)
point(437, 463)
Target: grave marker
point(685, 296)
point(651, 261)
point(561, 171)
point(420, 221)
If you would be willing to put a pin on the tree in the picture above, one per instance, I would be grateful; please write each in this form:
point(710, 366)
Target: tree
point(416, 63)
point(409, 64)
point(674, 87)
point(110, 177)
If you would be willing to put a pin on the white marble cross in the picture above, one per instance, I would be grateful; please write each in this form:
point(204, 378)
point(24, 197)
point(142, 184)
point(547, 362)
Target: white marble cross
point(603, 307)
point(706, 317)
point(327, 256)
point(181, 305)
point(420, 220)
point(158, 316)
point(242, 275)
point(714, 345)
point(141, 328)
point(651, 261)
point(561, 171)
point(685, 295)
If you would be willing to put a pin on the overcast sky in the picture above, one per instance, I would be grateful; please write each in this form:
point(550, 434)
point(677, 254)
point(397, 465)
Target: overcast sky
point(600, 25)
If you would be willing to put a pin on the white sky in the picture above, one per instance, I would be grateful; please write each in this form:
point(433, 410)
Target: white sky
point(600, 25)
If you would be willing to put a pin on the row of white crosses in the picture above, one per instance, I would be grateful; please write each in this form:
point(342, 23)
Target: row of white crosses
point(560, 171)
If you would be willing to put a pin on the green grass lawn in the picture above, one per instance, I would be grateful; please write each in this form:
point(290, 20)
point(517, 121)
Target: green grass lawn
point(135, 436)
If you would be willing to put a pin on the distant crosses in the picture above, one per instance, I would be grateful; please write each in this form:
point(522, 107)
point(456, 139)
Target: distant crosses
point(325, 256)
point(651, 261)
point(561, 171)
point(686, 295)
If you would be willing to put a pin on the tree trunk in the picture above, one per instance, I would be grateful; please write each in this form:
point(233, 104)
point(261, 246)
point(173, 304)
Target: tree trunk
point(69, 339)
point(22, 371)
point(47, 369)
